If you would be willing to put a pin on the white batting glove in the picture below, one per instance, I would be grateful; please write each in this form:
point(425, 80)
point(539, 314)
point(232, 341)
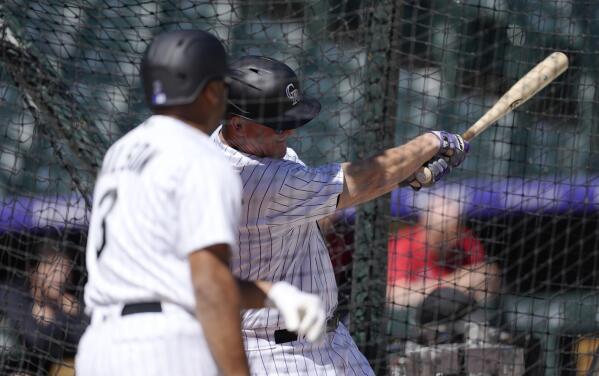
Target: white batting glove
point(302, 312)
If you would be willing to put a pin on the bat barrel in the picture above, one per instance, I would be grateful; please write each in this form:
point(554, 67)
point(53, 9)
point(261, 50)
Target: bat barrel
point(529, 85)
point(534, 81)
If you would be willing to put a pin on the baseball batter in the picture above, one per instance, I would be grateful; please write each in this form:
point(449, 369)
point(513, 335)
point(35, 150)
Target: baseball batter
point(279, 238)
point(164, 220)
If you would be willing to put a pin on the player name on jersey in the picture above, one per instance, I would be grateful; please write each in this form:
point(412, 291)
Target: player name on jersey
point(138, 157)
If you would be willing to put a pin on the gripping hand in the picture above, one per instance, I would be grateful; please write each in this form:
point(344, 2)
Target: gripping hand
point(438, 167)
point(302, 312)
point(452, 146)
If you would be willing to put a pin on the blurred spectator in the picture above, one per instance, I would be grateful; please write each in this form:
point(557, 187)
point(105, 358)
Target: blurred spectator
point(438, 252)
point(46, 315)
point(338, 233)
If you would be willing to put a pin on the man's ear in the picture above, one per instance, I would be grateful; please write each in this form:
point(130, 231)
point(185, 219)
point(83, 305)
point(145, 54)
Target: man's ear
point(210, 93)
point(236, 123)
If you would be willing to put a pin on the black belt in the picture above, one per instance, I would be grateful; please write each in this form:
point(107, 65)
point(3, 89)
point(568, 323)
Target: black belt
point(284, 335)
point(146, 307)
point(281, 335)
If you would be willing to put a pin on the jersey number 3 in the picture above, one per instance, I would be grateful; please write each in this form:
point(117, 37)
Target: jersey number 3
point(107, 201)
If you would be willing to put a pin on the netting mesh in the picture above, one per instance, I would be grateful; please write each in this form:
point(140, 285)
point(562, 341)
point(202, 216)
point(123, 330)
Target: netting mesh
point(514, 228)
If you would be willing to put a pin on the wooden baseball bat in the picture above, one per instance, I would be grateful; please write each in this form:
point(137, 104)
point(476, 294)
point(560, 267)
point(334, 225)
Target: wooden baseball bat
point(529, 85)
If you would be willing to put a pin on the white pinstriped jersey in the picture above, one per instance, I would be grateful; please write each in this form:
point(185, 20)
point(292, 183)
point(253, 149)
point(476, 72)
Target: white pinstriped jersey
point(164, 191)
point(278, 238)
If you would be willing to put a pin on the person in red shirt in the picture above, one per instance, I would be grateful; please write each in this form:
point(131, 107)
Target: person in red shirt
point(438, 252)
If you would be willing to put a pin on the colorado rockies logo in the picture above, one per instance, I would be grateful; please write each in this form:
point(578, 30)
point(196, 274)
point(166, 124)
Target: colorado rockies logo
point(293, 94)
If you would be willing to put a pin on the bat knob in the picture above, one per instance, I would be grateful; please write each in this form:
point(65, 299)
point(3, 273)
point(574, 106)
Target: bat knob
point(424, 176)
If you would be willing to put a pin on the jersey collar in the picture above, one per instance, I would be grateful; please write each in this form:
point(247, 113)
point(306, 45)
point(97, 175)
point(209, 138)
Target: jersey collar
point(182, 127)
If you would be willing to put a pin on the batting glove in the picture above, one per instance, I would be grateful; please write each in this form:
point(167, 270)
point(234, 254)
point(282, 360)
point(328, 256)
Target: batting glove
point(302, 312)
point(452, 146)
point(438, 167)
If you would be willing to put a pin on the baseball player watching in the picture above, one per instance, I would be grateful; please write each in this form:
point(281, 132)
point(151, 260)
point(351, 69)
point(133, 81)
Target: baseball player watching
point(164, 221)
point(279, 239)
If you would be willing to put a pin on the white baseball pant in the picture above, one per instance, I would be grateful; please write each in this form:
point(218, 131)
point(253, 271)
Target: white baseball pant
point(336, 355)
point(170, 342)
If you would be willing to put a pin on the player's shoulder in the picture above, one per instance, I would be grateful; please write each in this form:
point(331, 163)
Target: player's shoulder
point(295, 167)
point(282, 168)
point(129, 138)
point(291, 155)
point(274, 168)
point(140, 132)
point(179, 140)
point(210, 166)
point(178, 145)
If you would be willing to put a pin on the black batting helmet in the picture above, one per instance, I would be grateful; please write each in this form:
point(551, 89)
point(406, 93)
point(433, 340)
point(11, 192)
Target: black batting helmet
point(178, 64)
point(267, 92)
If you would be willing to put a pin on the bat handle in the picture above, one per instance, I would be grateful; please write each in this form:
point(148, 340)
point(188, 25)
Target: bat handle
point(423, 177)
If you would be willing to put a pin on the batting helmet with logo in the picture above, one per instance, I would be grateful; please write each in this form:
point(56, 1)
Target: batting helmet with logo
point(267, 92)
point(178, 64)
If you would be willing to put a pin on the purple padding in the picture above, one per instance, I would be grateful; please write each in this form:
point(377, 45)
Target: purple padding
point(28, 213)
point(487, 198)
point(15, 213)
point(479, 199)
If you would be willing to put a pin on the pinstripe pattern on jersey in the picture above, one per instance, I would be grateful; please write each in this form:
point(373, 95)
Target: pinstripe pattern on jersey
point(151, 344)
point(279, 238)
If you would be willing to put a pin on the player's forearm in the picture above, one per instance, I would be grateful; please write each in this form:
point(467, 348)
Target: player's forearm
point(373, 177)
point(218, 308)
point(253, 293)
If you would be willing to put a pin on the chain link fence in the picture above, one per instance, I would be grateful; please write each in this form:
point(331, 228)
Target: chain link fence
point(384, 71)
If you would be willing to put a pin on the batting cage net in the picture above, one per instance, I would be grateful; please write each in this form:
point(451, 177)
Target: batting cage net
point(493, 271)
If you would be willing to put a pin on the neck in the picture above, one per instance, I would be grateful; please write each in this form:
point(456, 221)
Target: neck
point(229, 139)
point(198, 124)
